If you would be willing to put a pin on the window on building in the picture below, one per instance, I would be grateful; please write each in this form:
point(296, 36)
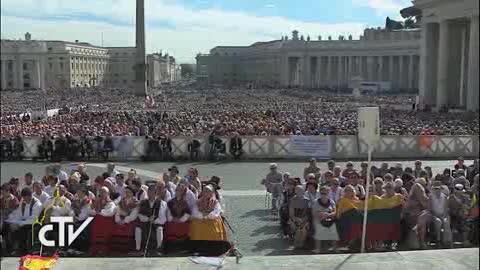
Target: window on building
point(25, 66)
point(61, 66)
point(124, 81)
point(50, 66)
point(10, 66)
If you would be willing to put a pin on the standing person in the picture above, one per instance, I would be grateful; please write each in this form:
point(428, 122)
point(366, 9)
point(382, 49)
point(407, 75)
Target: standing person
point(52, 186)
point(28, 181)
point(324, 213)
point(112, 172)
point(21, 221)
point(337, 173)
point(418, 168)
point(60, 174)
point(312, 194)
point(236, 146)
point(140, 194)
point(331, 165)
point(174, 177)
point(299, 213)
point(335, 191)
point(120, 186)
point(460, 164)
point(271, 181)
point(84, 178)
point(312, 168)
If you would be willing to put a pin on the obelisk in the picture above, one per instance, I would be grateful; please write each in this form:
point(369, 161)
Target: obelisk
point(140, 65)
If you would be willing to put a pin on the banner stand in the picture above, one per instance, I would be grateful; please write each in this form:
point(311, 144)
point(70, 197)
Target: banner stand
point(369, 131)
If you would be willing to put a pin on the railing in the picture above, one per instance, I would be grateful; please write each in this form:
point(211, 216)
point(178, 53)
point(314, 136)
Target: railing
point(280, 147)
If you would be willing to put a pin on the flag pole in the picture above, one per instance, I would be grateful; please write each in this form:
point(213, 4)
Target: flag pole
point(365, 207)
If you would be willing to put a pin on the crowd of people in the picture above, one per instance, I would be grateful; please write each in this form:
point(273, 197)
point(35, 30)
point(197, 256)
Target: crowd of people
point(431, 209)
point(130, 216)
point(188, 111)
point(175, 213)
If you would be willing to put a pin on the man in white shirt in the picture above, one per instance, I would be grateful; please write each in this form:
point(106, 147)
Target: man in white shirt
point(28, 181)
point(59, 173)
point(438, 209)
point(39, 193)
point(21, 220)
point(111, 170)
point(52, 185)
point(120, 187)
point(60, 205)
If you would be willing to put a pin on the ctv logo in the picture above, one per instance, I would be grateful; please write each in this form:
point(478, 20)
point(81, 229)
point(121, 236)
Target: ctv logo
point(62, 223)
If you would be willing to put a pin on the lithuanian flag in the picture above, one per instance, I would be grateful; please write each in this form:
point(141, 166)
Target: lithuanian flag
point(383, 220)
point(32, 262)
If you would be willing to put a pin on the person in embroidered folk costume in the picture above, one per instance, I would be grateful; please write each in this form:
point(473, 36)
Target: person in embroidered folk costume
point(162, 192)
point(127, 211)
point(82, 209)
point(8, 205)
point(103, 205)
point(207, 222)
point(152, 215)
point(178, 215)
point(21, 222)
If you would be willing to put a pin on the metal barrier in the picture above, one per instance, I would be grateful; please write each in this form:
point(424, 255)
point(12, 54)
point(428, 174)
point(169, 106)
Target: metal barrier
point(279, 147)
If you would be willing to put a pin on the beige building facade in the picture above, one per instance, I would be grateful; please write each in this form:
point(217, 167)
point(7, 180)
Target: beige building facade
point(449, 48)
point(378, 56)
point(34, 64)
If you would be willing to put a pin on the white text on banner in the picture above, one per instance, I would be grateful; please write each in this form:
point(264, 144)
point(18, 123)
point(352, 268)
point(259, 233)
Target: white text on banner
point(310, 146)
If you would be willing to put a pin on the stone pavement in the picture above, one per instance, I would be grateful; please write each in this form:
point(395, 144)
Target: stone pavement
point(453, 259)
point(255, 231)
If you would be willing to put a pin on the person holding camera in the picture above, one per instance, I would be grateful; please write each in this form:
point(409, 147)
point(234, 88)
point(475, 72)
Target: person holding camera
point(236, 146)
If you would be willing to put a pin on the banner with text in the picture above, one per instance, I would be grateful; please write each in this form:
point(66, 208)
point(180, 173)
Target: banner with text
point(310, 146)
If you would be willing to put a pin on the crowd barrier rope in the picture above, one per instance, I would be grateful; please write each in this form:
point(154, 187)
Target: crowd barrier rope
point(280, 147)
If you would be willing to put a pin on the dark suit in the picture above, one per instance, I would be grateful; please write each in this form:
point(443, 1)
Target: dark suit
point(236, 146)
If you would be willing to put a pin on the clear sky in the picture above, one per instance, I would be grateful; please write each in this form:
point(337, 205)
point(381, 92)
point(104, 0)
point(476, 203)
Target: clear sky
point(184, 28)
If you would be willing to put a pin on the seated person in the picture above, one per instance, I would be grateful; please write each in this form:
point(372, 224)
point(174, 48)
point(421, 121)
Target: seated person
point(458, 205)
point(151, 216)
point(21, 220)
point(207, 221)
point(178, 215)
point(8, 204)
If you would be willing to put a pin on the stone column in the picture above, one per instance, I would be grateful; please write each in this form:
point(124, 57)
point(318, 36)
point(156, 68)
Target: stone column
point(410, 71)
point(391, 76)
point(19, 72)
point(380, 69)
point(461, 94)
point(401, 73)
point(339, 71)
point(428, 57)
point(442, 72)
point(371, 68)
point(4, 74)
point(473, 86)
point(360, 68)
point(350, 67)
point(329, 71)
point(43, 66)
